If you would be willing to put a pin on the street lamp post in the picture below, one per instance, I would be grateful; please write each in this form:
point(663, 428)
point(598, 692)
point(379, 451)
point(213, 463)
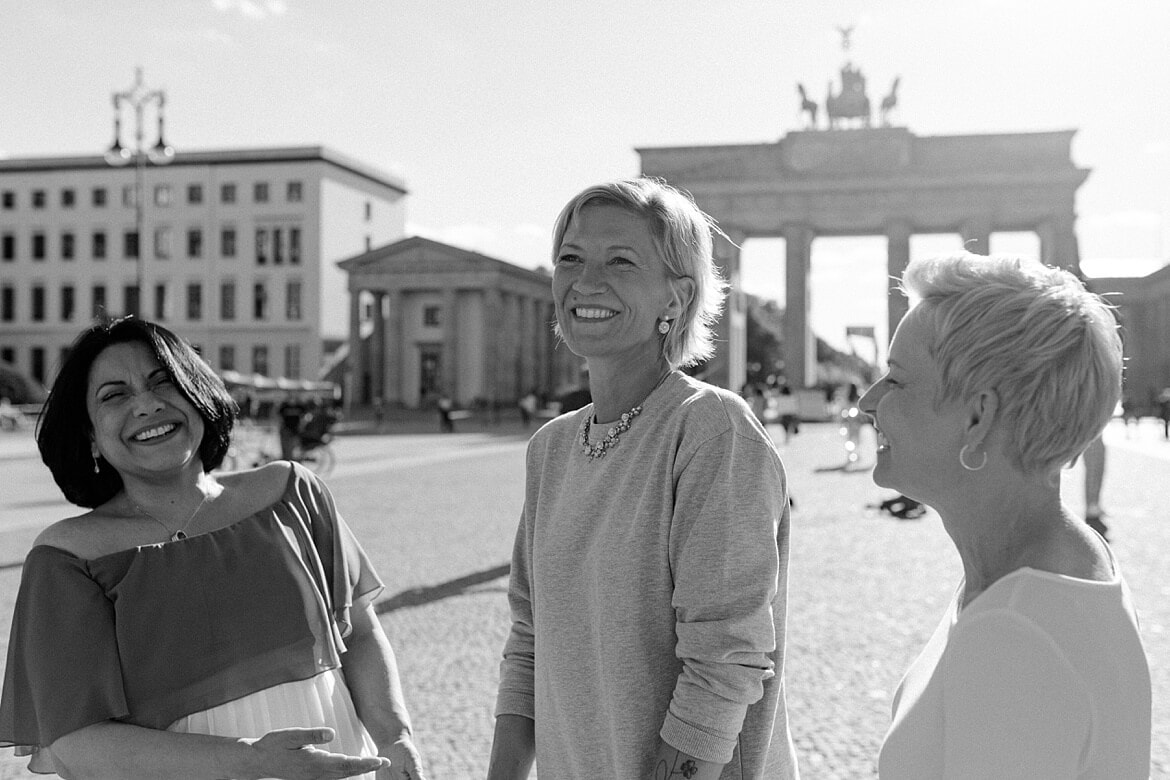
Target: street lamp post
point(139, 97)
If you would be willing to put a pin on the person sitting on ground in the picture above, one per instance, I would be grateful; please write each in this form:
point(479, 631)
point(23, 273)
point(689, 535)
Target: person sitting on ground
point(1002, 373)
point(191, 623)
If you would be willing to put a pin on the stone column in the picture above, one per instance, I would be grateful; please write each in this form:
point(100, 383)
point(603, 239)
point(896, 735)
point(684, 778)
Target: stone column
point(976, 235)
point(897, 258)
point(492, 311)
point(378, 347)
point(1058, 242)
point(726, 368)
point(527, 341)
point(353, 377)
point(451, 344)
point(392, 381)
point(800, 353)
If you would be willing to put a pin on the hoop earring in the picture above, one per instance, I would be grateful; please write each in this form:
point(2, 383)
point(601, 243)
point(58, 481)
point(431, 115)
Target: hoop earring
point(664, 327)
point(963, 461)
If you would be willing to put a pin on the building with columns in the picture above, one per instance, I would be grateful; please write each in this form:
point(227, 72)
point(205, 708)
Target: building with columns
point(427, 318)
point(239, 251)
point(871, 181)
point(1143, 308)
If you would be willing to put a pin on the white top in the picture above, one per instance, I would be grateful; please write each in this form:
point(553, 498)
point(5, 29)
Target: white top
point(1040, 676)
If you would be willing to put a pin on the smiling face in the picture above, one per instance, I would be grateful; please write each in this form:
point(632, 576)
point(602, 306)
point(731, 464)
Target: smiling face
point(611, 287)
point(918, 444)
point(142, 423)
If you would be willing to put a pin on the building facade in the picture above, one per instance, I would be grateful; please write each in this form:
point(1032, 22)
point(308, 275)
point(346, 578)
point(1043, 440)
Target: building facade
point(1143, 309)
point(239, 252)
point(430, 319)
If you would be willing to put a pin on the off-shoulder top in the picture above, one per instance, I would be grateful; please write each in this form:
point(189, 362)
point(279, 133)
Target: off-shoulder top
point(154, 633)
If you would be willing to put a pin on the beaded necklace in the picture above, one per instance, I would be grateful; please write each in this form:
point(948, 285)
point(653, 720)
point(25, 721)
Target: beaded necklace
point(598, 450)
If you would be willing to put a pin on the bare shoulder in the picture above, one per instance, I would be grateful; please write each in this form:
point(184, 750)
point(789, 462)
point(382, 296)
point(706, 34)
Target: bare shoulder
point(254, 489)
point(85, 535)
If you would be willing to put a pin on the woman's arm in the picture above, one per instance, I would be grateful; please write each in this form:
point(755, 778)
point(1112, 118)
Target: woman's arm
point(119, 751)
point(371, 674)
point(513, 748)
point(673, 763)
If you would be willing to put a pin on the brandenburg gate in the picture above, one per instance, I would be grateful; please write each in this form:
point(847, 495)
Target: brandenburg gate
point(865, 181)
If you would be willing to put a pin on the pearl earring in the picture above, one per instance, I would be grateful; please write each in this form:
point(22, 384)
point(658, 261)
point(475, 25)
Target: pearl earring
point(97, 468)
point(664, 327)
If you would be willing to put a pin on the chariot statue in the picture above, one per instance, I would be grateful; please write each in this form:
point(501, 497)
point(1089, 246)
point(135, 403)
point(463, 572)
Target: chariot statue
point(851, 102)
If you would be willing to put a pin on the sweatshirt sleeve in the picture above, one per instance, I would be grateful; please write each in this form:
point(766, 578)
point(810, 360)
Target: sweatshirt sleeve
point(1013, 704)
point(731, 506)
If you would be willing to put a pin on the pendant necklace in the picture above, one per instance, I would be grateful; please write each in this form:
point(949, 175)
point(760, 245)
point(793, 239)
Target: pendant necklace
point(182, 532)
point(598, 450)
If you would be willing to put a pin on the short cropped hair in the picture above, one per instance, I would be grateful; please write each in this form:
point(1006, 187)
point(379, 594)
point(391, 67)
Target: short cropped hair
point(1048, 347)
point(683, 236)
point(64, 429)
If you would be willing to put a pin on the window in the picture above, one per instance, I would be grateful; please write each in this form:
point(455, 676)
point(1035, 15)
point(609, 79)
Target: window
point(292, 301)
point(38, 303)
point(98, 197)
point(8, 200)
point(130, 244)
point(162, 243)
point(431, 317)
point(369, 243)
point(194, 242)
point(68, 246)
point(129, 197)
point(292, 361)
point(277, 246)
point(162, 195)
point(227, 242)
point(195, 301)
point(294, 193)
point(8, 355)
point(260, 192)
point(67, 303)
point(37, 358)
point(369, 211)
point(195, 194)
point(294, 245)
point(160, 301)
point(68, 198)
point(261, 246)
point(130, 299)
point(227, 301)
point(38, 246)
point(38, 199)
point(98, 307)
point(8, 247)
point(227, 357)
point(227, 193)
point(99, 244)
point(260, 360)
point(7, 303)
point(259, 301)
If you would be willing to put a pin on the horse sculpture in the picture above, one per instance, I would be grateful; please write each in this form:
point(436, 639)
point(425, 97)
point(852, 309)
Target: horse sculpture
point(889, 102)
point(851, 102)
point(807, 106)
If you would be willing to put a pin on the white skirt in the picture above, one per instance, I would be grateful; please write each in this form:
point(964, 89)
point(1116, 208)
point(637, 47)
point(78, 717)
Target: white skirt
point(318, 701)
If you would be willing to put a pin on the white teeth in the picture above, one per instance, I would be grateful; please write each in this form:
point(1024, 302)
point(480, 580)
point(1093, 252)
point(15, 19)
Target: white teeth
point(593, 313)
point(154, 433)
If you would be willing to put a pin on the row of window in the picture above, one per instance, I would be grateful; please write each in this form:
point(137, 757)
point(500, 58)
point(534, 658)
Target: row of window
point(226, 359)
point(193, 309)
point(275, 245)
point(294, 192)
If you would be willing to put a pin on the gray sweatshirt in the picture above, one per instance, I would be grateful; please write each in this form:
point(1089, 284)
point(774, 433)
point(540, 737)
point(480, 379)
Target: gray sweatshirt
point(648, 592)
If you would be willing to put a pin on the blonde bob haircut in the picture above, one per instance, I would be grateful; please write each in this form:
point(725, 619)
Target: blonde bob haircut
point(1032, 333)
point(682, 234)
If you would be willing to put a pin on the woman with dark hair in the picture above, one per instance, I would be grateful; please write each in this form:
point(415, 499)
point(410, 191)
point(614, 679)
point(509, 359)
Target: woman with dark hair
point(191, 624)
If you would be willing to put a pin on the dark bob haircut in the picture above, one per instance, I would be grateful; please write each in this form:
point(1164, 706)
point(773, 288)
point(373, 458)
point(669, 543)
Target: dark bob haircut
point(64, 429)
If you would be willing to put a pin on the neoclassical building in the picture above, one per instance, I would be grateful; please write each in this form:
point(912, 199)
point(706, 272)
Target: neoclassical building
point(1143, 308)
point(427, 318)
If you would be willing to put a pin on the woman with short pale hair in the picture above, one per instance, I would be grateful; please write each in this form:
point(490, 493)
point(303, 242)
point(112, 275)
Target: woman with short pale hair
point(649, 574)
point(1003, 372)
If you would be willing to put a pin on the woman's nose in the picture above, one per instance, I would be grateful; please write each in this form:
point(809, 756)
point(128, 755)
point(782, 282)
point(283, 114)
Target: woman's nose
point(147, 402)
point(868, 401)
point(591, 280)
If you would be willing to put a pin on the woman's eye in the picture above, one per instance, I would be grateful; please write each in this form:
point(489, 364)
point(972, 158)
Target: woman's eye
point(619, 260)
point(567, 258)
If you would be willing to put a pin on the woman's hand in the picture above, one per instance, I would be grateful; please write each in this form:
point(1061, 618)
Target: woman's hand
point(405, 763)
point(289, 754)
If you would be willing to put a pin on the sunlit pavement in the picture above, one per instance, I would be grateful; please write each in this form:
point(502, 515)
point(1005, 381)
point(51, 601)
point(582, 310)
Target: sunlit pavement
point(437, 515)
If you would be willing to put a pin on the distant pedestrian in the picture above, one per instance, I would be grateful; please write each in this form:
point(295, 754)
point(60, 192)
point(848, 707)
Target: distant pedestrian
point(1164, 411)
point(1094, 458)
point(445, 407)
point(649, 574)
point(379, 412)
point(527, 405)
point(788, 412)
point(1004, 372)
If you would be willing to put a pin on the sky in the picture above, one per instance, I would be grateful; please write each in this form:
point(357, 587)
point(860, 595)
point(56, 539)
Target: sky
point(496, 112)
